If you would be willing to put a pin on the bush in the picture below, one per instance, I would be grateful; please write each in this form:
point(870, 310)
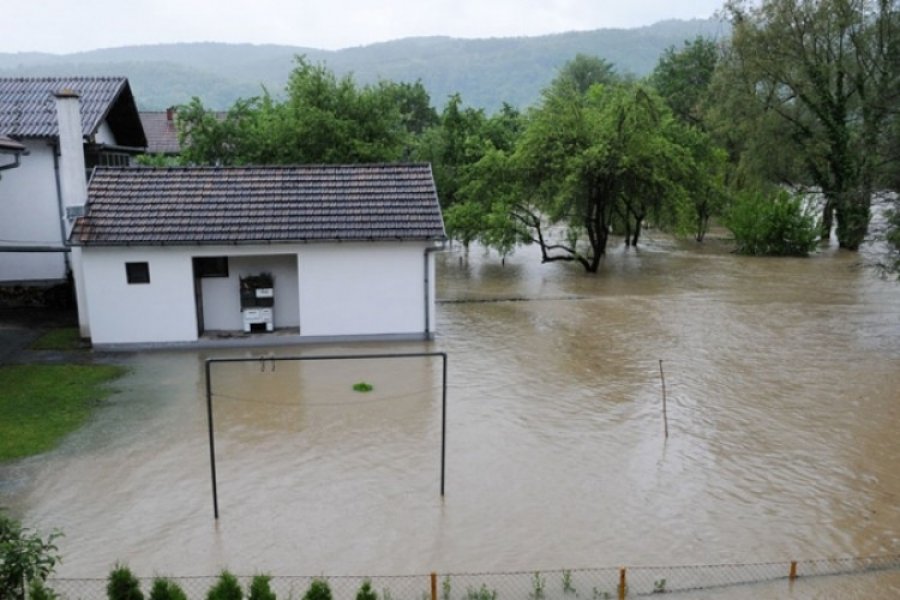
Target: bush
point(226, 588)
point(24, 557)
point(123, 585)
point(366, 592)
point(38, 591)
point(166, 589)
point(260, 589)
point(772, 225)
point(318, 590)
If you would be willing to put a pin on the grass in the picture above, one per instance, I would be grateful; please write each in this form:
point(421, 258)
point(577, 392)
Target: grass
point(40, 404)
point(362, 386)
point(65, 338)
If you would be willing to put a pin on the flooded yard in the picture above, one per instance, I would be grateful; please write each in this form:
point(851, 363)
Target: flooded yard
point(783, 381)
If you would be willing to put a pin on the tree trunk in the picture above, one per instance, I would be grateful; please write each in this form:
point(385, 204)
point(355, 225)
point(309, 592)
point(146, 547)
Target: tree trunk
point(853, 219)
point(827, 218)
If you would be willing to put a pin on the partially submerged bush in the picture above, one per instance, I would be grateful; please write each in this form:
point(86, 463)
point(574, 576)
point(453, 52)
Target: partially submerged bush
point(772, 224)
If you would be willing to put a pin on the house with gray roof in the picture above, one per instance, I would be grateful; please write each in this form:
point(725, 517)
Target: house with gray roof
point(42, 185)
point(199, 254)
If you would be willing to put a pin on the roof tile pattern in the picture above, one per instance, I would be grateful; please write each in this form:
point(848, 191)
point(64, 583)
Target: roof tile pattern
point(210, 205)
point(162, 136)
point(28, 109)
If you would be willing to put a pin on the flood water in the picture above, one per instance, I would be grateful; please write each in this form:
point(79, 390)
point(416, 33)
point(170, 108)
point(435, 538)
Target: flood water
point(783, 389)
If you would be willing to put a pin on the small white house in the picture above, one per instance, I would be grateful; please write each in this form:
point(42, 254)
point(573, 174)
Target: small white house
point(179, 255)
point(56, 128)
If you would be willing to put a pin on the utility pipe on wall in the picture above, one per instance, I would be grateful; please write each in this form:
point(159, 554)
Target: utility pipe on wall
point(428, 251)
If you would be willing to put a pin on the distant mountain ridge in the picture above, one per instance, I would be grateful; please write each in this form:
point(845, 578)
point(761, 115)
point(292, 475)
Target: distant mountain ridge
point(486, 72)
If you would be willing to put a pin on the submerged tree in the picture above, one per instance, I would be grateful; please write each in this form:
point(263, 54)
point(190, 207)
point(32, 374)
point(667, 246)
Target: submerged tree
point(828, 70)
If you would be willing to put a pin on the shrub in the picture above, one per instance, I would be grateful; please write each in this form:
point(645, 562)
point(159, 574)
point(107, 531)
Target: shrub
point(260, 588)
point(482, 593)
point(166, 589)
point(366, 592)
point(226, 588)
point(318, 590)
point(772, 225)
point(37, 590)
point(24, 557)
point(123, 585)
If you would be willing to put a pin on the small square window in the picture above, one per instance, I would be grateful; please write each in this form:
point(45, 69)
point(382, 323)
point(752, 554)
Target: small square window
point(137, 272)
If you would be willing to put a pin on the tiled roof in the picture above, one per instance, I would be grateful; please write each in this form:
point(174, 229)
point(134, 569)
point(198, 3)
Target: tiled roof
point(162, 137)
point(210, 205)
point(28, 109)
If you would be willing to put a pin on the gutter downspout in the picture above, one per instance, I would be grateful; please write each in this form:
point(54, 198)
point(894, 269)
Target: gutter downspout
point(428, 251)
point(12, 165)
point(59, 203)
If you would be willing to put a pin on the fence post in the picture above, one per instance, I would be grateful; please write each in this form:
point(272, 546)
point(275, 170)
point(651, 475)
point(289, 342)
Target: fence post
point(623, 583)
point(793, 573)
point(433, 586)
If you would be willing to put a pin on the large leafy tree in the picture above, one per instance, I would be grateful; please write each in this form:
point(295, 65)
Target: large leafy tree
point(683, 75)
point(827, 70)
point(322, 119)
point(590, 161)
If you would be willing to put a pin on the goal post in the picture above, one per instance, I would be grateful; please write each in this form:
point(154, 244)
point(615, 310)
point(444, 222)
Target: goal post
point(273, 359)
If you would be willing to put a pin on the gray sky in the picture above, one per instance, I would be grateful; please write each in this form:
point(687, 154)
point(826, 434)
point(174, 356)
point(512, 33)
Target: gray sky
point(63, 26)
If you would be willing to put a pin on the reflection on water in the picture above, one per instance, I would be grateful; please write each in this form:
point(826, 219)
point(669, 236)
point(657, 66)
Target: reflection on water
point(783, 409)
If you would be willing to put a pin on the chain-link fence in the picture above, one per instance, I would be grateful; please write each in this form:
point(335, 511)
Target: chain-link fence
point(577, 584)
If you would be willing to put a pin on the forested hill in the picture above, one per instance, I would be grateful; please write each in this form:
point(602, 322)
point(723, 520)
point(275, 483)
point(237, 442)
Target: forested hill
point(486, 72)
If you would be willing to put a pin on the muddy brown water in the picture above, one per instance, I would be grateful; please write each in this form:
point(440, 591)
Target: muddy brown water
point(783, 380)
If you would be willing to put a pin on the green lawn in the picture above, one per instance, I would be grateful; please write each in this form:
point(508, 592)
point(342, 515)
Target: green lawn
point(39, 404)
point(66, 338)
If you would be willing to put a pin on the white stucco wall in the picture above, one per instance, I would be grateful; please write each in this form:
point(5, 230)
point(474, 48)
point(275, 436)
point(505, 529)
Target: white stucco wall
point(30, 215)
point(104, 134)
point(160, 311)
point(326, 289)
point(362, 289)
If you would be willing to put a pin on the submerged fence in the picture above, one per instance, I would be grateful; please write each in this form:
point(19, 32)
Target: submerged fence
point(611, 583)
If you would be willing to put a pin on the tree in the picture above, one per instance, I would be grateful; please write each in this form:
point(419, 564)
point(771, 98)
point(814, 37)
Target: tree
point(827, 69)
point(582, 72)
point(323, 119)
point(24, 557)
point(683, 76)
point(589, 162)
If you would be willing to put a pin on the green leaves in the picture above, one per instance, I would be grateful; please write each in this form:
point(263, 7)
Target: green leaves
point(24, 556)
point(775, 224)
point(323, 119)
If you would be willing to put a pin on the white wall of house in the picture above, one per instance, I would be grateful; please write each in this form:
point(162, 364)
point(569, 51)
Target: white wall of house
point(104, 134)
point(326, 289)
point(362, 289)
point(160, 311)
point(30, 215)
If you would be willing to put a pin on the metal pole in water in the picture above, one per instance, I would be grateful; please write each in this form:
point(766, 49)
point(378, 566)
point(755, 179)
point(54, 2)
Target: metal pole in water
point(443, 421)
point(212, 442)
point(662, 378)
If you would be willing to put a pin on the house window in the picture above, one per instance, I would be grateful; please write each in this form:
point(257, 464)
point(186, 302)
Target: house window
point(211, 266)
point(137, 272)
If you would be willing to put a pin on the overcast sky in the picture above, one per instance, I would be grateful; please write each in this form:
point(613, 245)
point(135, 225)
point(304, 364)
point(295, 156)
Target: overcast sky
point(63, 26)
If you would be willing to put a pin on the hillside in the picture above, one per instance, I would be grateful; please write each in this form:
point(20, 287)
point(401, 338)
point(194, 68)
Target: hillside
point(486, 72)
